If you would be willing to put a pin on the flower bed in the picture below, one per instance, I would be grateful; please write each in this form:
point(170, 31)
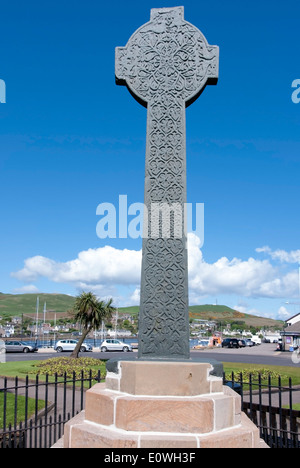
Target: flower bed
point(65, 366)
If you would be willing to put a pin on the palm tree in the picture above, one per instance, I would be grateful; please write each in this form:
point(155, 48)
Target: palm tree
point(90, 312)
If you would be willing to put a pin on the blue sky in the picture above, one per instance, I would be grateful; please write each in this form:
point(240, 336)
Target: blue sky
point(71, 139)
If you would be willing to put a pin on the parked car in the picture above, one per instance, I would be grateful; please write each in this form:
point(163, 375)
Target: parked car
point(250, 343)
point(70, 345)
point(230, 343)
point(115, 345)
point(19, 347)
point(242, 343)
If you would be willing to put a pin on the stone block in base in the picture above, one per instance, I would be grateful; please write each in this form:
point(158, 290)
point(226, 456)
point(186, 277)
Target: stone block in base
point(164, 378)
point(84, 434)
point(194, 415)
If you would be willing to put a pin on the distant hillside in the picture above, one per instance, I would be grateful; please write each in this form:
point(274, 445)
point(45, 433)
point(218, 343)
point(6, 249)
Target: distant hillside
point(59, 304)
point(219, 313)
point(226, 314)
point(17, 304)
point(133, 310)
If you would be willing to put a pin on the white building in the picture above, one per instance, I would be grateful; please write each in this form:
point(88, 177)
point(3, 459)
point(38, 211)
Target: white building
point(293, 320)
point(291, 337)
point(9, 330)
point(115, 334)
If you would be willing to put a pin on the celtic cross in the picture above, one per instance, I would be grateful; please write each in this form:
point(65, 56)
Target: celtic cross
point(166, 64)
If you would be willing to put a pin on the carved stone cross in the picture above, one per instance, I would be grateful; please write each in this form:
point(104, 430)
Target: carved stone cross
point(166, 65)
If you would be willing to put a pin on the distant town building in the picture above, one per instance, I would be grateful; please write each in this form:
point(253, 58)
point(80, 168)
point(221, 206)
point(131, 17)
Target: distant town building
point(118, 333)
point(17, 320)
point(293, 320)
point(291, 336)
point(7, 330)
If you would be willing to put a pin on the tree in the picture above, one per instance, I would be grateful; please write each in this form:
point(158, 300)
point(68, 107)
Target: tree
point(90, 312)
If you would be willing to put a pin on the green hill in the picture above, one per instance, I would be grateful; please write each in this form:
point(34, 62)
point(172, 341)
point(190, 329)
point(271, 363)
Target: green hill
point(226, 314)
point(219, 313)
point(133, 310)
point(60, 304)
point(18, 304)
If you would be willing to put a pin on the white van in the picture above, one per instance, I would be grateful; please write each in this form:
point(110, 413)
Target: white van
point(256, 339)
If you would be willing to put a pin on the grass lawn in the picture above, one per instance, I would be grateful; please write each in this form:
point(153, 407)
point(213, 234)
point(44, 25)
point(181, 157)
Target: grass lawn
point(31, 368)
point(10, 408)
point(284, 372)
point(24, 368)
point(296, 406)
point(20, 368)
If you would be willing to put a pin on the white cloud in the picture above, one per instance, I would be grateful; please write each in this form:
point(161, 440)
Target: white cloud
point(102, 270)
point(280, 286)
point(102, 291)
point(27, 289)
point(282, 255)
point(248, 278)
point(105, 265)
point(283, 313)
point(135, 297)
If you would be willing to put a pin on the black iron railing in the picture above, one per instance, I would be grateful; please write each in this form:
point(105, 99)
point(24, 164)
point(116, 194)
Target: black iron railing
point(33, 413)
point(270, 406)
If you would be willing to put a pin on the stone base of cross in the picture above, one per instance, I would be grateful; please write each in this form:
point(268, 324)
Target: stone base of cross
point(171, 405)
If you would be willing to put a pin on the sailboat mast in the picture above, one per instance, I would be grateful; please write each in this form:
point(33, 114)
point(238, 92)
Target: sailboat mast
point(37, 317)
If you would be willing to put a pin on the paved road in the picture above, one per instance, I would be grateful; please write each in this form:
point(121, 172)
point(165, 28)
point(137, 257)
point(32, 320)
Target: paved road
point(265, 354)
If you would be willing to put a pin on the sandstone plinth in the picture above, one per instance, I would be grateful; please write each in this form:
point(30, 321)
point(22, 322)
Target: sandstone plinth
point(130, 412)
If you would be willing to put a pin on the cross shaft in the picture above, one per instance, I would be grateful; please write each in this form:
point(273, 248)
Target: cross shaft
point(166, 65)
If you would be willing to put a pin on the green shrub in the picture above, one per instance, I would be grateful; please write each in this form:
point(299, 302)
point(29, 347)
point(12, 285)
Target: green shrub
point(245, 373)
point(70, 367)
